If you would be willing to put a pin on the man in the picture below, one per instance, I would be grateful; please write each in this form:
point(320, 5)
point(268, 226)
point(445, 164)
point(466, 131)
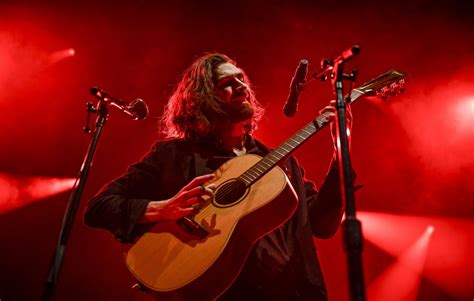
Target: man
point(209, 119)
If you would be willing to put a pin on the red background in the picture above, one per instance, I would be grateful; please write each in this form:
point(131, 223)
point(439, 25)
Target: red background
point(413, 154)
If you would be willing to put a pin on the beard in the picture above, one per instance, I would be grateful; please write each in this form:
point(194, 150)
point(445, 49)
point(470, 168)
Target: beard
point(238, 111)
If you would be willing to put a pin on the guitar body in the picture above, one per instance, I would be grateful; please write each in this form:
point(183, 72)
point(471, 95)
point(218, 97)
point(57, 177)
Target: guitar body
point(175, 263)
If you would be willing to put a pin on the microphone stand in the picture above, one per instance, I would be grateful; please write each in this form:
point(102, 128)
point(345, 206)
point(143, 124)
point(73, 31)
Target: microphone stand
point(71, 209)
point(351, 227)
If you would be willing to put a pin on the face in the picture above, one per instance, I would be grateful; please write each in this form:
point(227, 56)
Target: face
point(230, 87)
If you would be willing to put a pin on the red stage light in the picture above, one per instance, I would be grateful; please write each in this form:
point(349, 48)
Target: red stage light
point(72, 52)
point(392, 233)
point(465, 110)
point(401, 280)
point(61, 55)
point(449, 263)
point(9, 193)
point(430, 229)
point(447, 111)
point(18, 192)
point(38, 188)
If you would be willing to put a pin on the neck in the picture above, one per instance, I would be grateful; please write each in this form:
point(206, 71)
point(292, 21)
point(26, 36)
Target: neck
point(233, 136)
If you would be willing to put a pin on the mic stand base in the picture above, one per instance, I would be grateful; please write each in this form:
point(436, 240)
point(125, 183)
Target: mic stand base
point(352, 234)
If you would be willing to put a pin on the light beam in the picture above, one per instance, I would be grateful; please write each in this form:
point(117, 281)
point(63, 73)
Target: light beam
point(16, 192)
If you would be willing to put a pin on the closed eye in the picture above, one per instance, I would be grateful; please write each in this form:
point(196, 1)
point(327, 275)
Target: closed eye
point(229, 81)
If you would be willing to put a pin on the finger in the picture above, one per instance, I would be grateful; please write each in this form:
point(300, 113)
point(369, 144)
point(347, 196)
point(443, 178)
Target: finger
point(349, 116)
point(349, 111)
point(182, 212)
point(332, 103)
point(195, 192)
point(330, 116)
point(210, 188)
point(197, 181)
point(327, 109)
point(194, 201)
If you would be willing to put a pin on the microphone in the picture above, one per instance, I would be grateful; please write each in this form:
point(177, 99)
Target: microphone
point(137, 109)
point(347, 54)
point(296, 84)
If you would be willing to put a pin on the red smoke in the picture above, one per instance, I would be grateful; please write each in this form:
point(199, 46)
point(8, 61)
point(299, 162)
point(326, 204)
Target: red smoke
point(16, 192)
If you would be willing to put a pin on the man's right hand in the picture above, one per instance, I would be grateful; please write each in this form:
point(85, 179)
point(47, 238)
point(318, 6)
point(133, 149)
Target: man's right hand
point(184, 203)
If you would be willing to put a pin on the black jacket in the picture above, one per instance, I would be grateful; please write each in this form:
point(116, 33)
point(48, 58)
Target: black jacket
point(282, 265)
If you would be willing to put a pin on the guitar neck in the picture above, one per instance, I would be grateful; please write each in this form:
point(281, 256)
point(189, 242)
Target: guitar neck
point(290, 145)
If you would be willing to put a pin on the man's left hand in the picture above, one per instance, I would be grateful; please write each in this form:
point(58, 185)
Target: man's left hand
point(331, 109)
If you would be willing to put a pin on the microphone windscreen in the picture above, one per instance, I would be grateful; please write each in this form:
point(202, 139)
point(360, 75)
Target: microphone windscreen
point(139, 108)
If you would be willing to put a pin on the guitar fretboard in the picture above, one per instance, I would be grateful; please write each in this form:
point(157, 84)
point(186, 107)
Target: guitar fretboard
point(290, 145)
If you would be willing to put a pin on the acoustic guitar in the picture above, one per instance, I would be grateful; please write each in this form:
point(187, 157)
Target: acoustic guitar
point(199, 257)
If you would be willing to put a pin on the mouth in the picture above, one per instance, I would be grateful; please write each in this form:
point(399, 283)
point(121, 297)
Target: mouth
point(240, 99)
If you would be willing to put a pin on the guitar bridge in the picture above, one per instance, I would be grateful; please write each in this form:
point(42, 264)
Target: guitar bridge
point(192, 227)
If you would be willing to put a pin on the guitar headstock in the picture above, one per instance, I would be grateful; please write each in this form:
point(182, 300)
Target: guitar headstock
point(386, 85)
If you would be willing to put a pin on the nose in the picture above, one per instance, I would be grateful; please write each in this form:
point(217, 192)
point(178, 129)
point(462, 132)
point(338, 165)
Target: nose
point(240, 85)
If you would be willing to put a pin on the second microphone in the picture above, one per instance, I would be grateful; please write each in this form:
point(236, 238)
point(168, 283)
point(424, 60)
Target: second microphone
point(291, 105)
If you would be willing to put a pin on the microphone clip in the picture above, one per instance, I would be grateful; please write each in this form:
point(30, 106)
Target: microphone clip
point(328, 65)
point(89, 109)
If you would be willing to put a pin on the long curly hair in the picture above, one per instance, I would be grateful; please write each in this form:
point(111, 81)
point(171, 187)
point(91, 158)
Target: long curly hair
point(193, 110)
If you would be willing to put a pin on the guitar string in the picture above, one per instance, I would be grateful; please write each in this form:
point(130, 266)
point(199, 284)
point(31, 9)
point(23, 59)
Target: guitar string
point(208, 210)
point(230, 191)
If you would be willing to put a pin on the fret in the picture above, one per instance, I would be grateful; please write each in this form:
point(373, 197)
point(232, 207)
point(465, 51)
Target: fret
point(251, 175)
point(358, 93)
point(307, 132)
point(302, 137)
point(267, 161)
point(297, 138)
point(293, 141)
point(319, 123)
point(278, 152)
point(243, 178)
point(271, 163)
point(271, 155)
point(246, 178)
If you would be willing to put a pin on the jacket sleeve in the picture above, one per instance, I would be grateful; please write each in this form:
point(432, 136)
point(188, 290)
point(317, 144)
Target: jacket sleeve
point(325, 208)
point(119, 205)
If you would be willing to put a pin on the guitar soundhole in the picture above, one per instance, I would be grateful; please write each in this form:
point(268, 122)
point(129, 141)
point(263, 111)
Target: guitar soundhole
point(230, 193)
